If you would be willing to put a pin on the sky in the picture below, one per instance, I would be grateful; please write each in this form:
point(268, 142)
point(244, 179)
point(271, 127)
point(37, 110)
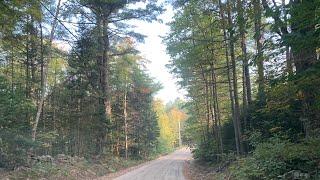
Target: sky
point(155, 51)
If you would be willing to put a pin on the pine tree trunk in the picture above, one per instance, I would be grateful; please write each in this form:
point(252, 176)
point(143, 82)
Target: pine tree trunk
point(288, 51)
point(303, 26)
point(235, 81)
point(216, 107)
point(304, 21)
point(259, 55)
point(206, 99)
point(242, 29)
point(232, 102)
point(246, 84)
point(105, 92)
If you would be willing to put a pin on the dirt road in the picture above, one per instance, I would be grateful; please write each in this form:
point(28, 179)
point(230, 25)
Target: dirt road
point(168, 167)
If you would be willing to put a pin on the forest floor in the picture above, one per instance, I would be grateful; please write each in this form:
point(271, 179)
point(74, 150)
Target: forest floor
point(169, 167)
point(73, 169)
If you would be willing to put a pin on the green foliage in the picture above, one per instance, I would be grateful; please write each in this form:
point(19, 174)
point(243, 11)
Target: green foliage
point(46, 139)
point(14, 128)
point(14, 106)
point(276, 137)
point(14, 148)
point(207, 151)
point(276, 157)
point(285, 112)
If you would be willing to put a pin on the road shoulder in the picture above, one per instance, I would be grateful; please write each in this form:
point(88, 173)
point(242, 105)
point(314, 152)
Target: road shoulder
point(195, 170)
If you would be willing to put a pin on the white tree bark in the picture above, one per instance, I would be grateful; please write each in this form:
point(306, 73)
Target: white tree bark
point(45, 73)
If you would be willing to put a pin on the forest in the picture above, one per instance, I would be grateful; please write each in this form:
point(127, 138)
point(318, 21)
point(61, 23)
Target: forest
point(73, 84)
point(75, 91)
point(252, 73)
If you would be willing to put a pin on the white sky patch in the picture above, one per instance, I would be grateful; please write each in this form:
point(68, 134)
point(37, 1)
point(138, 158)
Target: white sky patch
point(155, 51)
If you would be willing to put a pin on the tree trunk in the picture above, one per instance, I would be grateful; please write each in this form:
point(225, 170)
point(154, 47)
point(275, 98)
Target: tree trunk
point(105, 92)
point(45, 73)
point(27, 90)
point(229, 77)
point(242, 29)
point(125, 115)
point(180, 140)
point(246, 84)
point(304, 21)
point(259, 55)
point(303, 15)
point(41, 56)
point(288, 51)
point(216, 107)
point(289, 61)
point(235, 81)
point(206, 99)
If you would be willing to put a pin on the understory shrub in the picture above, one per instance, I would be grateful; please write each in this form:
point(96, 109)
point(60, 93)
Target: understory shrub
point(206, 151)
point(277, 158)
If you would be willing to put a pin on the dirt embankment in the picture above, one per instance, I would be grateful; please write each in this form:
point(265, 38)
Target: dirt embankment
point(199, 170)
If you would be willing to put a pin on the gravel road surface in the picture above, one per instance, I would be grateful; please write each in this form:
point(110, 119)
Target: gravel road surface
point(168, 167)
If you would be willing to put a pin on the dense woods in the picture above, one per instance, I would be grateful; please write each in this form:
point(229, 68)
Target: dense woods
point(74, 86)
point(251, 70)
point(73, 83)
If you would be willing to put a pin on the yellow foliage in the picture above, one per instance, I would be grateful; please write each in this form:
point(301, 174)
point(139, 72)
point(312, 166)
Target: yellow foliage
point(168, 123)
